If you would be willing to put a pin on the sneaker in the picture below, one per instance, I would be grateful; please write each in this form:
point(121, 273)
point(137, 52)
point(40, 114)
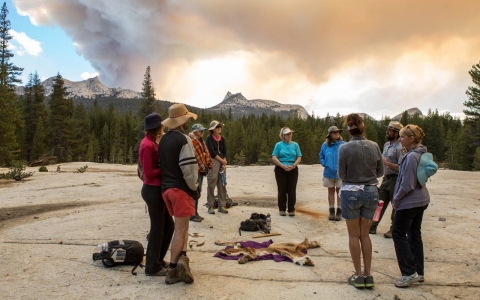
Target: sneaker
point(368, 281)
point(388, 234)
point(283, 213)
point(407, 280)
point(211, 211)
point(291, 214)
point(338, 215)
point(331, 215)
point(421, 278)
point(373, 229)
point(195, 219)
point(357, 281)
point(162, 272)
point(181, 273)
point(201, 218)
point(223, 210)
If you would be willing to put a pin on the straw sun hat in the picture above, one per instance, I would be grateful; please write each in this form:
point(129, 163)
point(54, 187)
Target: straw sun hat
point(177, 115)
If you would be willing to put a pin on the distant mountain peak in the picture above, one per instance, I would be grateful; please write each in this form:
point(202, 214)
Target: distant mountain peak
point(240, 105)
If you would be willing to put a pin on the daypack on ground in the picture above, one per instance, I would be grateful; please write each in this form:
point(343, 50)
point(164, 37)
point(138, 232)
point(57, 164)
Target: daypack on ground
point(255, 223)
point(121, 252)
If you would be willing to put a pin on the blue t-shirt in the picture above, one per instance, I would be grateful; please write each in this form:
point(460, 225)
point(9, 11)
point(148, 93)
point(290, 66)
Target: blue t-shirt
point(287, 153)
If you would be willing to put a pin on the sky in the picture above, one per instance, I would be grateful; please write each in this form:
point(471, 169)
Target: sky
point(330, 56)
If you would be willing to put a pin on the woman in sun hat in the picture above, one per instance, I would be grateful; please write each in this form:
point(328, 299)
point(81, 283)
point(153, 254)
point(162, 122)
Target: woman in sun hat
point(329, 160)
point(286, 156)
point(359, 165)
point(161, 223)
point(410, 200)
point(218, 151)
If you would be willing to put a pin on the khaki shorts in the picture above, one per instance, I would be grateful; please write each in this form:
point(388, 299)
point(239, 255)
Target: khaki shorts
point(332, 182)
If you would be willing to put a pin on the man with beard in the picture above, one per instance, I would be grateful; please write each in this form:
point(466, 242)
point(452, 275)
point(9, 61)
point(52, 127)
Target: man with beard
point(392, 156)
point(179, 187)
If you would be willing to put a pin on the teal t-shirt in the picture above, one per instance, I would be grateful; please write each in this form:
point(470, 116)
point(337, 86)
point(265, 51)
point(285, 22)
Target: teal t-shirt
point(287, 153)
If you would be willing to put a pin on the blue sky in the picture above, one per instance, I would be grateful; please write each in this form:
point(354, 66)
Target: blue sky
point(54, 51)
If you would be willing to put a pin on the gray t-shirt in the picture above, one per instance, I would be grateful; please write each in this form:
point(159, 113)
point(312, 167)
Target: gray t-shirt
point(393, 153)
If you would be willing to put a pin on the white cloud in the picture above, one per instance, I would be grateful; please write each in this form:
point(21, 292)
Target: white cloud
point(25, 44)
point(86, 75)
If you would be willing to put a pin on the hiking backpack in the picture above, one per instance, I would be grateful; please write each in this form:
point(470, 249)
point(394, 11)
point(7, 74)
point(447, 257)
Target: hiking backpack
point(121, 252)
point(255, 223)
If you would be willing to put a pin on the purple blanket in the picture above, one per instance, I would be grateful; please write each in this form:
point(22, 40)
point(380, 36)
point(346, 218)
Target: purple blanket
point(255, 245)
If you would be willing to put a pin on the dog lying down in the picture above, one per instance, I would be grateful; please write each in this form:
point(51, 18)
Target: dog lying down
point(294, 251)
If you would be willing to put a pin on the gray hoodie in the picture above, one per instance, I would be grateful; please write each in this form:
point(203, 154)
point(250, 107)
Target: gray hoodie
point(408, 192)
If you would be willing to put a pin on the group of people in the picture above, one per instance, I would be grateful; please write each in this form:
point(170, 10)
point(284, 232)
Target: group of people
point(350, 172)
point(174, 165)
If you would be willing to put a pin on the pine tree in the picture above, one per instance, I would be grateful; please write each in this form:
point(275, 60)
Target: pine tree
point(81, 133)
point(61, 122)
point(472, 112)
point(147, 105)
point(34, 109)
point(38, 143)
point(10, 118)
point(476, 162)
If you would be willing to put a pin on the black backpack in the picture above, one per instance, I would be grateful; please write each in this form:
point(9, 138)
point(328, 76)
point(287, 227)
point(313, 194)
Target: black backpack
point(121, 252)
point(255, 223)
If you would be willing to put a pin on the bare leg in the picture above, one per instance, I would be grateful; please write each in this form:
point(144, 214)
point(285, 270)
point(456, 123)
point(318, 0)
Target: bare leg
point(353, 227)
point(366, 245)
point(331, 197)
point(180, 238)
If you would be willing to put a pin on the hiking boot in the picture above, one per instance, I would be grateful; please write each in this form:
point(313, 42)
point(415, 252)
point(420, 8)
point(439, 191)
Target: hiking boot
point(162, 272)
point(195, 219)
point(357, 281)
point(388, 234)
point(201, 218)
point(331, 215)
point(223, 210)
point(291, 214)
point(283, 213)
point(338, 215)
point(373, 229)
point(368, 281)
point(180, 273)
point(211, 211)
point(407, 280)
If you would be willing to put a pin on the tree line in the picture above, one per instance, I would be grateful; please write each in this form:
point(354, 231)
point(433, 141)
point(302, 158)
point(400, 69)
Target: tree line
point(33, 126)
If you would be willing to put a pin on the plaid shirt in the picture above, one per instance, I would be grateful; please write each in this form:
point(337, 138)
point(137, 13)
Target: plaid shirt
point(202, 155)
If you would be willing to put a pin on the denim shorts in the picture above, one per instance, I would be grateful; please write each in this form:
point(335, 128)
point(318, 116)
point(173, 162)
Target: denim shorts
point(356, 204)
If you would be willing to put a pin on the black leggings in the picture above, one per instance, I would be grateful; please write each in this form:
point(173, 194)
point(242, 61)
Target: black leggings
point(161, 228)
point(287, 185)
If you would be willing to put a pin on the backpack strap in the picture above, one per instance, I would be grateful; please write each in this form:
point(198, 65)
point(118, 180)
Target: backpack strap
point(135, 267)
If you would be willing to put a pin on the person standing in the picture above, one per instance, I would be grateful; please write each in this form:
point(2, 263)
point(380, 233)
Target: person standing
point(392, 157)
point(329, 160)
point(179, 187)
point(161, 223)
point(204, 161)
point(286, 156)
point(218, 151)
point(410, 200)
point(359, 166)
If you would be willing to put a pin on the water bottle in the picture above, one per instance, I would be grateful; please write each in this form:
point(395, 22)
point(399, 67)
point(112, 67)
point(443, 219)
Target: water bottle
point(268, 222)
point(223, 177)
point(378, 211)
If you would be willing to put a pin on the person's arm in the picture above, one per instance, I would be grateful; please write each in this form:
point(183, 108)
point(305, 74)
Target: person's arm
point(321, 155)
point(380, 167)
point(298, 153)
point(278, 163)
point(408, 181)
point(342, 164)
point(188, 164)
point(146, 161)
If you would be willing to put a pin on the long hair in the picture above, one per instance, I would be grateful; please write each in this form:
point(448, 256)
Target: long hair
point(354, 124)
point(329, 140)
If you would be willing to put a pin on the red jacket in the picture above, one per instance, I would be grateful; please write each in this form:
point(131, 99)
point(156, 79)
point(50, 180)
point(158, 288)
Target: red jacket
point(148, 156)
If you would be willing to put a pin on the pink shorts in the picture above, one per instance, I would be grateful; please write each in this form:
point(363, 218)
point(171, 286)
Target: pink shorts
point(179, 203)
